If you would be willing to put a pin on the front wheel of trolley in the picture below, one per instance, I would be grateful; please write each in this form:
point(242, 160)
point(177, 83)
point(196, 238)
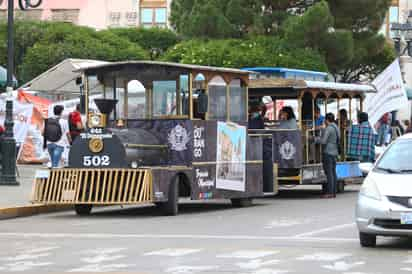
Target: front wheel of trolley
point(241, 202)
point(171, 207)
point(83, 210)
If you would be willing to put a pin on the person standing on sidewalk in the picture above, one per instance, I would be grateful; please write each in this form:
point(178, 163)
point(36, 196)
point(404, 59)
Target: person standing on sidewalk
point(330, 141)
point(75, 123)
point(56, 135)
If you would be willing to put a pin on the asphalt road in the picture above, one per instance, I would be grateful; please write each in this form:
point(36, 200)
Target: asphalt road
point(295, 232)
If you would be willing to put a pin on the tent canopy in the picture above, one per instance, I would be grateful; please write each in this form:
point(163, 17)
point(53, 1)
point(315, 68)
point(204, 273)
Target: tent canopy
point(60, 80)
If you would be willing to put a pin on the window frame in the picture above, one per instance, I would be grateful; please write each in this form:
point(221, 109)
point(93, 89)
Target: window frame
point(154, 12)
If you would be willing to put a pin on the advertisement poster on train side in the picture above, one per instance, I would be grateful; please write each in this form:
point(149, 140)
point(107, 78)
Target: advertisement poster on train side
point(231, 157)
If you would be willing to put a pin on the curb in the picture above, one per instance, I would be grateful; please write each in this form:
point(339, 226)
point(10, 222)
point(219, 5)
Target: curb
point(30, 210)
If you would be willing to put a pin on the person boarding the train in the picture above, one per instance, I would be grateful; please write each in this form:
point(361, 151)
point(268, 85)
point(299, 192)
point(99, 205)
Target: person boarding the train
point(330, 139)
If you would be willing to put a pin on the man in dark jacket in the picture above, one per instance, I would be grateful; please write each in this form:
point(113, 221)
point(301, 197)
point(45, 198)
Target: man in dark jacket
point(330, 141)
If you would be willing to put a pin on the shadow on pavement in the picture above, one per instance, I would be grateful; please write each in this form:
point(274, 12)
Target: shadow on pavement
point(150, 211)
point(312, 193)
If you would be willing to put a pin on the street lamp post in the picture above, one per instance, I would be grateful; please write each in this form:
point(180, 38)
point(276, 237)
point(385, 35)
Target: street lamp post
point(8, 144)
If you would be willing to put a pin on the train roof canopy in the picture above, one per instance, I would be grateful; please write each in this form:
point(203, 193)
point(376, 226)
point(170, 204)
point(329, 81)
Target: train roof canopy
point(141, 64)
point(292, 88)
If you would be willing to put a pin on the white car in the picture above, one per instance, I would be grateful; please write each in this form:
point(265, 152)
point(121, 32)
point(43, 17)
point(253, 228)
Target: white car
point(384, 206)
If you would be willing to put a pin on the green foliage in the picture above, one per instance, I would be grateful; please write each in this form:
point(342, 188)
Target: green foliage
point(233, 18)
point(359, 16)
point(343, 32)
point(41, 45)
point(311, 29)
point(236, 53)
point(154, 40)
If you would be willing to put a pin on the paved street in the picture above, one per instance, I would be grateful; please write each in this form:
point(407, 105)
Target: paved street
point(293, 233)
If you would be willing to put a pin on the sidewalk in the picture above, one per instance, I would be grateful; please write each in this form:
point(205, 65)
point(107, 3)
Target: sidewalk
point(19, 195)
point(15, 200)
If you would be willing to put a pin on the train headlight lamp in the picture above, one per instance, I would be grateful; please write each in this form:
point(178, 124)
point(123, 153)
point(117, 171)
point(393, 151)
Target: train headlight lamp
point(96, 120)
point(134, 164)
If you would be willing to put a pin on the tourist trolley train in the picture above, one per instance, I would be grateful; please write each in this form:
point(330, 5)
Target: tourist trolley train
point(160, 131)
point(297, 156)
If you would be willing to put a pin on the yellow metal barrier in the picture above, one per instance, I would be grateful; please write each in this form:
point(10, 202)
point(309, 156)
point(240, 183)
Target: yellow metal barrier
point(94, 186)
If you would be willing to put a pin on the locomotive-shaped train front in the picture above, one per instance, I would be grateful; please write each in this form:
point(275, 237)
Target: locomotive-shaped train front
point(107, 146)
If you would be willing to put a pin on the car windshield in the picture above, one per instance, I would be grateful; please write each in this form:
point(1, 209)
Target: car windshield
point(397, 158)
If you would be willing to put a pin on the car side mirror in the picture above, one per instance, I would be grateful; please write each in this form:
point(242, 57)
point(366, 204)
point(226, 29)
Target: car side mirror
point(366, 167)
point(203, 103)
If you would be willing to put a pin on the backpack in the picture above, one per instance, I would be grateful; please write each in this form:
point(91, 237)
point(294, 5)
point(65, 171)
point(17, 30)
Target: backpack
point(53, 130)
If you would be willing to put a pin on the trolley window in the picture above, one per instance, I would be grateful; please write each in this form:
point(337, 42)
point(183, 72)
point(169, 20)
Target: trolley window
point(136, 100)
point(217, 99)
point(164, 98)
point(237, 101)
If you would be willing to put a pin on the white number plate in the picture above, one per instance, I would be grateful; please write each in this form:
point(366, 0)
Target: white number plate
point(96, 161)
point(406, 218)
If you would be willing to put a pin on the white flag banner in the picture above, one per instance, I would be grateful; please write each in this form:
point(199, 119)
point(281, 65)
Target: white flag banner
point(22, 114)
point(390, 96)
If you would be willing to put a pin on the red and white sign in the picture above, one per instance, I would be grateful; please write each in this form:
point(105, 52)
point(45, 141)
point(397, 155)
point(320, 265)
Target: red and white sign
point(22, 114)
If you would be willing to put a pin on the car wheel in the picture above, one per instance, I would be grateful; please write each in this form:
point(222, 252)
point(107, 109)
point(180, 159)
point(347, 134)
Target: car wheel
point(367, 240)
point(341, 186)
point(171, 207)
point(83, 210)
point(241, 202)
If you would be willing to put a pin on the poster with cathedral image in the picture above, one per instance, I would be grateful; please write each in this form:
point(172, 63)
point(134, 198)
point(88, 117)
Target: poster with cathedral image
point(231, 157)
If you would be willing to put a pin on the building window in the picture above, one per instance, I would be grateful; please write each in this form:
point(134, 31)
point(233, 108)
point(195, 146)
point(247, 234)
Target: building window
point(114, 18)
point(393, 17)
point(131, 18)
point(153, 17)
point(160, 16)
point(65, 15)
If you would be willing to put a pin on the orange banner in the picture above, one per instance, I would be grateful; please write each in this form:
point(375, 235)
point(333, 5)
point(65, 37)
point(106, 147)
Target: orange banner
point(31, 149)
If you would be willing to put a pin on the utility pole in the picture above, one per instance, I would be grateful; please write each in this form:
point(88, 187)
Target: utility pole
point(8, 144)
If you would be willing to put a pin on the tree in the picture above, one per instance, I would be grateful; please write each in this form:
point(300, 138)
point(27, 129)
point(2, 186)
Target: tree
point(205, 19)
point(60, 41)
point(233, 18)
point(236, 53)
point(155, 40)
point(315, 29)
point(345, 32)
point(371, 51)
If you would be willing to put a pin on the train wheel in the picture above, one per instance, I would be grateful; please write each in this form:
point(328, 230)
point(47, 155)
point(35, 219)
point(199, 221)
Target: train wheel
point(83, 210)
point(241, 202)
point(341, 187)
point(171, 207)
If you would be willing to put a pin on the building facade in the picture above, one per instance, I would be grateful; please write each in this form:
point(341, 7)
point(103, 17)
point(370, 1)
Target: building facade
point(400, 11)
point(98, 14)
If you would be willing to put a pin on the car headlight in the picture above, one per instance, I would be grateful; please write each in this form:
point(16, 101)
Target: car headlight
point(370, 189)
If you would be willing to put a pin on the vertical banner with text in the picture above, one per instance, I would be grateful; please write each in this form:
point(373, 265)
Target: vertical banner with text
point(390, 96)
